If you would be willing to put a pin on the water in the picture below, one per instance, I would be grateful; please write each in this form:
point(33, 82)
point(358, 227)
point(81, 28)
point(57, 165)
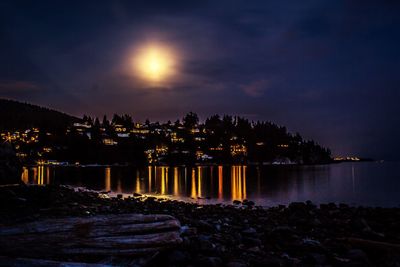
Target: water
point(367, 183)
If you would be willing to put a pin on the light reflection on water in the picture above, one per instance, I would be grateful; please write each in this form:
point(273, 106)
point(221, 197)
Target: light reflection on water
point(360, 183)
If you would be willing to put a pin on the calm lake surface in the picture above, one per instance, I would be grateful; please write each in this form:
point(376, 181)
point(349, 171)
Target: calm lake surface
point(365, 183)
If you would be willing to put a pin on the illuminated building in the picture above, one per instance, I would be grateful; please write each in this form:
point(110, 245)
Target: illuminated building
point(238, 150)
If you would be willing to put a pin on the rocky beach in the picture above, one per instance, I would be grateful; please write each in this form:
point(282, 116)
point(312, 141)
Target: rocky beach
point(199, 133)
point(241, 234)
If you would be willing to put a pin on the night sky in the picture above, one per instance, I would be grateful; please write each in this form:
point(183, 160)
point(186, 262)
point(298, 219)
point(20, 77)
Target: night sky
point(327, 69)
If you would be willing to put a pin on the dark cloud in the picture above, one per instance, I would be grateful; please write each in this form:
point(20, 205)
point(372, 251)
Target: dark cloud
point(255, 88)
point(17, 87)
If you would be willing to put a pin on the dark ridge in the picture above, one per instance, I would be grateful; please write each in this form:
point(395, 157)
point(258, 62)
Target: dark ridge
point(16, 115)
point(226, 139)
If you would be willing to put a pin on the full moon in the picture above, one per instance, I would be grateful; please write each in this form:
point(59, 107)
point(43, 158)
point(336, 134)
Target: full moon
point(155, 63)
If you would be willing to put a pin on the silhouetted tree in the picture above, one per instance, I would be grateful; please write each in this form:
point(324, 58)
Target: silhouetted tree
point(190, 120)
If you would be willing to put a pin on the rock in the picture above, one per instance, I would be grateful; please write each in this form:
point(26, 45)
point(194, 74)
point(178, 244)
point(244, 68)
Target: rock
point(311, 242)
point(206, 245)
point(10, 166)
point(266, 261)
point(332, 206)
point(341, 260)
point(315, 259)
point(249, 241)
point(236, 264)
point(286, 230)
point(359, 256)
point(237, 236)
point(249, 231)
point(297, 205)
point(293, 261)
point(177, 257)
point(361, 224)
point(209, 261)
point(315, 222)
point(255, 249)
point(151, 199)
point(249, 203)
point(137, 195)
point(202, 224)
point(237, 202)
point(188, 231)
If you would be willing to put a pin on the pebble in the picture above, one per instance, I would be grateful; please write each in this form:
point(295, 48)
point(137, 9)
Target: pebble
point(209, 262)
point(358, 256)
point(178, 257)
point(249, 231)
point(251, 241)
point(236, 264)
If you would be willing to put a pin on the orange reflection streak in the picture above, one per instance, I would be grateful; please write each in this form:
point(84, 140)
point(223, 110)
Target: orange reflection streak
point(162, 180)
point(40, 175)
point(220, 183)
point(47, 175)
point(166, 179)
point(149, 180)
point(138, 190)
point(193, 191)
point(199, 180)
point(34, 175)
point(233, 182)
point(238, 182)
point(176, 185)
point(244, 182)
point(155, 178)
point(107, 179)
point(25, 175)
point(119, 187)
point(185, 185)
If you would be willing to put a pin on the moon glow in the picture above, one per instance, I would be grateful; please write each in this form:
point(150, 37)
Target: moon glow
point(155, 63)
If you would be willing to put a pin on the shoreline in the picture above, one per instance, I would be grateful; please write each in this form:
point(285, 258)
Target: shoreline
point(94, 165)
point(300, 234)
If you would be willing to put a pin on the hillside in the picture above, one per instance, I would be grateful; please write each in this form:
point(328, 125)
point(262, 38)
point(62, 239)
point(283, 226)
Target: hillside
point(227, 139)
point(17, 115)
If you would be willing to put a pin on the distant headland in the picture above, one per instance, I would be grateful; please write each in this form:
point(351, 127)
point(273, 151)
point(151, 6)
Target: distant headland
point(40, 135)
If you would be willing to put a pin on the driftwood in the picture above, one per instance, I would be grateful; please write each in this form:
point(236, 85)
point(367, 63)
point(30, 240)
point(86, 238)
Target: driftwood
point(23, 262)
point(98, 236)
point(372, 245)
